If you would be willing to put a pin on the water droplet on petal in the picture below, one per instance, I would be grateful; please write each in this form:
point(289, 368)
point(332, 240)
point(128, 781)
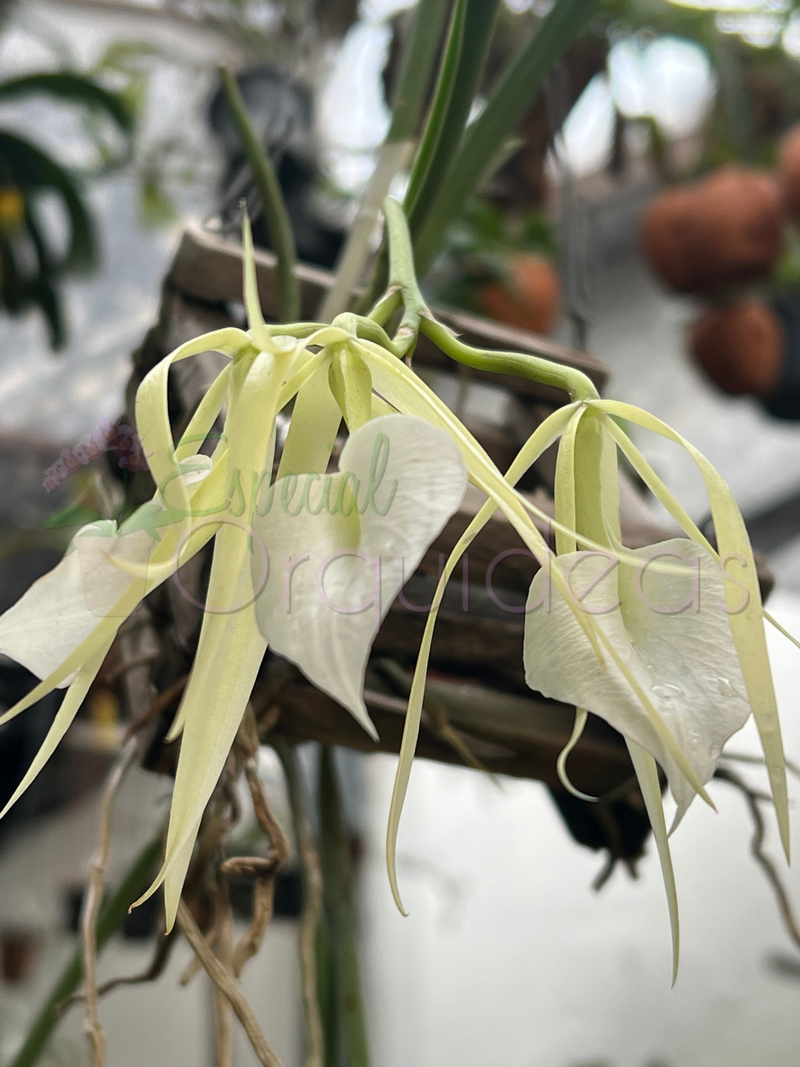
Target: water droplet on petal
point(668, 692)
point(725, 688)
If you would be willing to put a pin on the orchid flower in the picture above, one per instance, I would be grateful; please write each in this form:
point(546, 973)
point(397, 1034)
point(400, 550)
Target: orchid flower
point(309, 563)
point(680, 623)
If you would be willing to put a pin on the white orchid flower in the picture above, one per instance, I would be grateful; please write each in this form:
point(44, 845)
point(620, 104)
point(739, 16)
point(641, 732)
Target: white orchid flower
point(681, 624)
point(310, 563)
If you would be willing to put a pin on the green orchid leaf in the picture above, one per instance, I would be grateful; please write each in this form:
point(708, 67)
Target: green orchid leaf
point(32, 169)
point(508, 101)
point(74, 515)
point(73, 88)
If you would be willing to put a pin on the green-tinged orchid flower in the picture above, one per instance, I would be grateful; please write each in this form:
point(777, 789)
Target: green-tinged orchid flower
point(309, 562)
point(681, 624)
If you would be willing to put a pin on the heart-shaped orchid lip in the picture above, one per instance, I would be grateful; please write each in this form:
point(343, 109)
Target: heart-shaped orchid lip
point(342, 545)
point(669, 622)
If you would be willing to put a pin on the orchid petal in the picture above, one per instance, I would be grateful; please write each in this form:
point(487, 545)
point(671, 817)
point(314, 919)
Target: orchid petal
point(542, 438)
point(340, 556)
point(60, 610)
point(70, 705)
point(581, 718)
point(678, 649)
point(312, 431)
point(745, 610)
point(647, 775)
point(152, 409)
point(252, 302)
point(231, 648)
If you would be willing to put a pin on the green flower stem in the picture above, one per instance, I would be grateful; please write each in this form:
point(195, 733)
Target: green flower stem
point(390, 302)
point(391, 160)
point(403, 286)
point(574, 382)
point(275, 213)
point(402, 276)
point(112, 914)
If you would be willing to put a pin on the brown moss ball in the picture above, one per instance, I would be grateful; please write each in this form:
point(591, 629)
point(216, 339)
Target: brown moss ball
point(668, 237)
point(740, 225)
point(789, 172)
point(722, 231)
point(528, 296)
point(739, 347)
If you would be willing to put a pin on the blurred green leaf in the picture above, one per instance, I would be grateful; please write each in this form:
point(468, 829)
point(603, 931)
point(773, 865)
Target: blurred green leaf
point(74, 515)
point(73, 88)
point(32, 170)
point(512, 95)
point(155, 206)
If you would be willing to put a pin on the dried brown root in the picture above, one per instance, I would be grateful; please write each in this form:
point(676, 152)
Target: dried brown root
point(226, 985)
point(753, 798)
point(153, 971)
point(93, 900)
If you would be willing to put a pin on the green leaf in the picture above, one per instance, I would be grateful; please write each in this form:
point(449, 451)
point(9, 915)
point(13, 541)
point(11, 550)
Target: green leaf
point(73, 88)
point(505, 108)
point(272, 202)
point(74, 515)
point(415, 69)
point(32, 169)
point(470, 35)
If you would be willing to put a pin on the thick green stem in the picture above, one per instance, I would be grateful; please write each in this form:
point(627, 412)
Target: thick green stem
point(312, 903)
point(275, 213)
point(111, 916)
point(340, 914)
point(534, 368)
point(403, 287)
point(402, 277)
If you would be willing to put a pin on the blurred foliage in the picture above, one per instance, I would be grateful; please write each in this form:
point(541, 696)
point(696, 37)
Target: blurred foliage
point(33, 258)
point(758, 84)
point(479, 246)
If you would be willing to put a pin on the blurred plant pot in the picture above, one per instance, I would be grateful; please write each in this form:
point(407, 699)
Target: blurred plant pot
point(20, 947)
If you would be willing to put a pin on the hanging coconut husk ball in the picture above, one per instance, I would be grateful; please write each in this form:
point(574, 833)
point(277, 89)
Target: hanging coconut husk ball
point(789, 172)
point(722, 231)
point(740, 225)
point(668, 237)
point(528, 295)
point(739, 347)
